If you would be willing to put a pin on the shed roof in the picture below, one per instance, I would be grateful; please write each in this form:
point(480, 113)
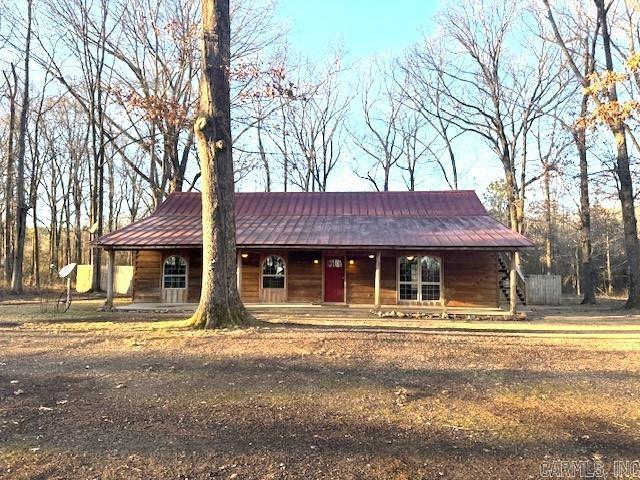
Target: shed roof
point(401, 220)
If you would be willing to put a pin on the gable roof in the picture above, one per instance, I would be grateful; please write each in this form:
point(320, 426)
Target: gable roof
point(402, 220)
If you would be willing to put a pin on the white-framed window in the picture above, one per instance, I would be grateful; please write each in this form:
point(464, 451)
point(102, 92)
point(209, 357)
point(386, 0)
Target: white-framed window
point(273, 272)
point(174, 272)
point(419, 278)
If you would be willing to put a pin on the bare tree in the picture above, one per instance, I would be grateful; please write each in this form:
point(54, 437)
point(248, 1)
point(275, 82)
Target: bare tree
point(382, 140)
point(316, 126)
point(583, 28)
point(422, 87)
point(12, 88)
point(616, 125)
point(21, 204)
point(220, 304)
point(493, 96)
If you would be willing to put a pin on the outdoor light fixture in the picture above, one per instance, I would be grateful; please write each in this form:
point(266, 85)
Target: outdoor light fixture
point(411, 258)
point(316, 261)
point(372, 256)
point(351, 262)
point(244, 255)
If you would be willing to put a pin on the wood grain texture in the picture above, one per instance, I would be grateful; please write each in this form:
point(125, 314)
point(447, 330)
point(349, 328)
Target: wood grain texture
point(250, 292)
point(470, 278)
point(304, 277)
point(147, 276)
point(361, 279)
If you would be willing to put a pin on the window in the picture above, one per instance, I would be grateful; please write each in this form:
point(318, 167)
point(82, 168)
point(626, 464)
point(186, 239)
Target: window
point(273, 272)
point(419, 278)
point(334, 263)
point(174, 274)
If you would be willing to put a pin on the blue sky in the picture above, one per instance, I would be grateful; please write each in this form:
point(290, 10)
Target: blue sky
point(364, 27)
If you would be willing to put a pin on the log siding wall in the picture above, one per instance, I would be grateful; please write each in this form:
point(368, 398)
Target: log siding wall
point(470, 279)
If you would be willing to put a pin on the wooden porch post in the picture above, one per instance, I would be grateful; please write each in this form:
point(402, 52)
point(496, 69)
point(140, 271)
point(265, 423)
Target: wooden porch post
point(377, 279)
point(111, 265)
point(513, 285)
point(239, 271)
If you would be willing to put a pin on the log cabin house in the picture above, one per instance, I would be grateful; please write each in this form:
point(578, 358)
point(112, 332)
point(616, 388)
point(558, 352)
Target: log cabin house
point(437, 248)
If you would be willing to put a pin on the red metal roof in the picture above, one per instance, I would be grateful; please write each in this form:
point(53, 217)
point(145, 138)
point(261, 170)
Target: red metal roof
point(439, 220)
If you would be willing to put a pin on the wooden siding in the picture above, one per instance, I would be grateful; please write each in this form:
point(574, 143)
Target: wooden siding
point(147, 276)
point(388, 275)
point(194, 286)
point(304, 278)
point(471, 279)
point(250, 285)
point(147, 282)
point(361, 279)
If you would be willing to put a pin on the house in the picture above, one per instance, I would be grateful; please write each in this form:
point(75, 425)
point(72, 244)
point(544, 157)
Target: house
point(437, 248)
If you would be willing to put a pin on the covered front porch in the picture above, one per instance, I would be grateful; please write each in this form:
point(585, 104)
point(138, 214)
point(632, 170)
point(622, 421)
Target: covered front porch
point(425, 279)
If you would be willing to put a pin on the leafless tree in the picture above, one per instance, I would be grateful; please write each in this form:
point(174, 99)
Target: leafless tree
point(382, 141)
point(220, 304)
point(583, 29)
point(12, 89)
point(423, 86)
point(21, 204)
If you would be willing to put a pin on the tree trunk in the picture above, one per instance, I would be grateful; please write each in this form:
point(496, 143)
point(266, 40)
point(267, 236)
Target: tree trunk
point(8, 191)
point(609, 273)
point(588, 277)
point(625, 183)
point(220, 304)
point(36, 247)
point(578, 271)
point(21, 210)
point(263, 158)
point(548, 240)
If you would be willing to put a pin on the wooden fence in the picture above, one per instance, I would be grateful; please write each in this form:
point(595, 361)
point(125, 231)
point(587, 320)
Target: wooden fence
point(122, 282)
point(544, 289)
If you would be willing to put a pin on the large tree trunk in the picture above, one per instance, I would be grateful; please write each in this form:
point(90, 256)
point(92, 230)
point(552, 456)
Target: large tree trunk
point(22, 207)
point(220, 303)
point(625, 183)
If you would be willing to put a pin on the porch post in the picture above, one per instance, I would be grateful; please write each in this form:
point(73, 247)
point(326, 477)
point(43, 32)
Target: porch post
point(377, 279)
point(239, 271)
point(111, 262)
point(513, 285)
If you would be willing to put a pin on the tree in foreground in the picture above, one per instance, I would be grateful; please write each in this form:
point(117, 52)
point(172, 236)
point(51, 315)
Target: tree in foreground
point(220, 304)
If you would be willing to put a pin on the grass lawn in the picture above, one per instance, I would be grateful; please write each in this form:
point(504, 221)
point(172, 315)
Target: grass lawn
point(132, 395)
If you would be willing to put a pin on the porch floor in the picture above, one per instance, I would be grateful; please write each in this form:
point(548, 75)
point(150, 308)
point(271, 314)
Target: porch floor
point(265, 310)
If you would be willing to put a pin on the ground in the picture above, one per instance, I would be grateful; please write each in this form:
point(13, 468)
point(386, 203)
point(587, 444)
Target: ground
point(122, 395)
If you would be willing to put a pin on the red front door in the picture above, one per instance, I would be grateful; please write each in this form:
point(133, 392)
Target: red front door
point(334, 279)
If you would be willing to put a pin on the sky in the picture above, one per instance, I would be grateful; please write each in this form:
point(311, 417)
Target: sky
point(365, 29)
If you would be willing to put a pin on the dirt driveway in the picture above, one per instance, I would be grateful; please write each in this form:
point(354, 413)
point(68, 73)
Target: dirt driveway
point(137, 396)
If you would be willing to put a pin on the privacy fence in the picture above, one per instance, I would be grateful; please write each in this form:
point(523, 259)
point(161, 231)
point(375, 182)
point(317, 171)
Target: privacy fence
point(123, 279)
